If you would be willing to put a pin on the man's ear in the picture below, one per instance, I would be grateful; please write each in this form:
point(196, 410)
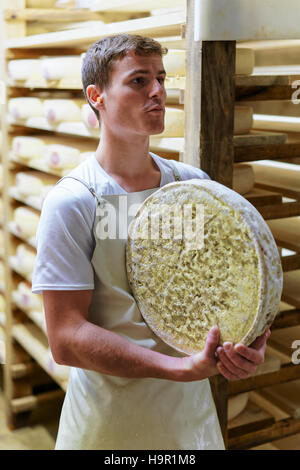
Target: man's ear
point(94, 96)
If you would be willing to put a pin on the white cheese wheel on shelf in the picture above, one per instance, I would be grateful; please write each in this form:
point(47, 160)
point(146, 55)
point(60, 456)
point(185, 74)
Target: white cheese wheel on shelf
point(22, 69)
point(26, 299)
point(174, 61)
point(33, 183)
point(243, 119)
point(279, 174)
point(62, 110)
point(243, 178)
point(2, 303)
point(183, 288)
point(61, 156)
point(89, 117)
point(25, 259)
point(56, 68)
point(174, 123)
point(26, 221)
point(24, 108)
point(236, 405)
point(28, 147)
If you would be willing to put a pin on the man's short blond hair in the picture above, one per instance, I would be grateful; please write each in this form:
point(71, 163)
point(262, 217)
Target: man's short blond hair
point(98, 60)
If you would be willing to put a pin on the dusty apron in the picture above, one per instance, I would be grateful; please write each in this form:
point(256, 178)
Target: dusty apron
point(106, 412)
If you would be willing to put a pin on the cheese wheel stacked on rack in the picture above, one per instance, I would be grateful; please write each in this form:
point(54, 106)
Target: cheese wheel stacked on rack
point(183, 288)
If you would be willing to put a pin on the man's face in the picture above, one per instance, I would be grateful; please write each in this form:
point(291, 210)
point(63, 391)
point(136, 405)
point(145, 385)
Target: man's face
point(134, 102)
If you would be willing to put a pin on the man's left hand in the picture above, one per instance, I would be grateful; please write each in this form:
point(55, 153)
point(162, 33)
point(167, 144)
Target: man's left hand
point(238, 361)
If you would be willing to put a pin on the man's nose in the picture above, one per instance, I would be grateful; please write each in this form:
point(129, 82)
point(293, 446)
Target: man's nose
point(157, 89)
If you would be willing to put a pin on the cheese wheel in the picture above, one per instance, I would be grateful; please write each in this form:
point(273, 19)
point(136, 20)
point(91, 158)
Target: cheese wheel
point(32, 183)
point(174, 61)
point(26, 298)
point(183, 288)
point(243, 178)
point(62, 110)
point(279, 174)
point(55, 68)
point(24, 108)
point(286, 232)
point(61, 156)
point(28, 147)
point(244, 61)
point(243, 119)
point(89, 117)
point(24, 68)
point(1, 243)
point(276, 123)
point(26, 221)
point(25, 258)
point(236, 405)
point(174, 123)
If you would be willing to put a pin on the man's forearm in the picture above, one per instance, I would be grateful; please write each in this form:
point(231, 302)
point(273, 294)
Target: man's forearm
point(94, 348)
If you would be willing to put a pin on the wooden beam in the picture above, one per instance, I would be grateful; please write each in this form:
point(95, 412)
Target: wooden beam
point(217, 110)
point(161, 25)
point(283, 428)
point(290, 263)
point(280, 211)
point(286, 319)
point(287, 373)
point(266, 152)
point(47, 15)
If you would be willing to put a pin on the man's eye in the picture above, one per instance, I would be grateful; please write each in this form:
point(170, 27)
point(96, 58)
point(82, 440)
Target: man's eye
point(161, 80)
point(139, 80)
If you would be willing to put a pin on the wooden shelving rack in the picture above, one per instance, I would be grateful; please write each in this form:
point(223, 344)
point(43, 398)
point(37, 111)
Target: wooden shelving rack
point(210, 83)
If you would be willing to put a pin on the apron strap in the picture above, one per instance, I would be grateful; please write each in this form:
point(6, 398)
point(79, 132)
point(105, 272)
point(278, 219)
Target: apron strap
point(90, 188)
point(176, 174)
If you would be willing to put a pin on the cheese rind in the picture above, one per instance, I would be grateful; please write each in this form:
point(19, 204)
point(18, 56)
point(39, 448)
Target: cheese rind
point(234, 281)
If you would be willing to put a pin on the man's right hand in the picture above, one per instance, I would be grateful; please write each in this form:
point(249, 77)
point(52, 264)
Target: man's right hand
point(203, 364)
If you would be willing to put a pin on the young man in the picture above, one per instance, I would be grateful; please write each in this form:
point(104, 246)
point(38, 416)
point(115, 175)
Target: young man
point(127, 389)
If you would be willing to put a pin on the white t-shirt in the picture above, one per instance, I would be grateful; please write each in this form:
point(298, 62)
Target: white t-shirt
point(65, 240)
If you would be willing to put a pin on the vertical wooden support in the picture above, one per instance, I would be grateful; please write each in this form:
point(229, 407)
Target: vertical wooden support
point(209, 123)
point(217, 110)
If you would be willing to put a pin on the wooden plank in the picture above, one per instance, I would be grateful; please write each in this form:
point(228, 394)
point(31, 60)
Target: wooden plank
point(163, 25)
point(32, 401)
point(267, 152)
point(251, 418)
point(283, 428)
point(260, 197)
point(277, 413)
point(278, 211)
point(218, 70)
point(46, 15)
point(291, 288)
point(287, 192)
point(135, 5)
point(287, 373)
point(287, 318)
point(290, 263)
point(286, 396)
point(256, 137)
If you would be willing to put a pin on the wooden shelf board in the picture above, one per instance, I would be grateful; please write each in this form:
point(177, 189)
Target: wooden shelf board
point(286, 373)
point(280, 429)
point(286, 319)
point(47, 15)
point(266, 152)
point(163, 25)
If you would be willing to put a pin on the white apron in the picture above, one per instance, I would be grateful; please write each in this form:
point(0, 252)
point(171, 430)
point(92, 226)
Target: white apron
point(112, 413)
